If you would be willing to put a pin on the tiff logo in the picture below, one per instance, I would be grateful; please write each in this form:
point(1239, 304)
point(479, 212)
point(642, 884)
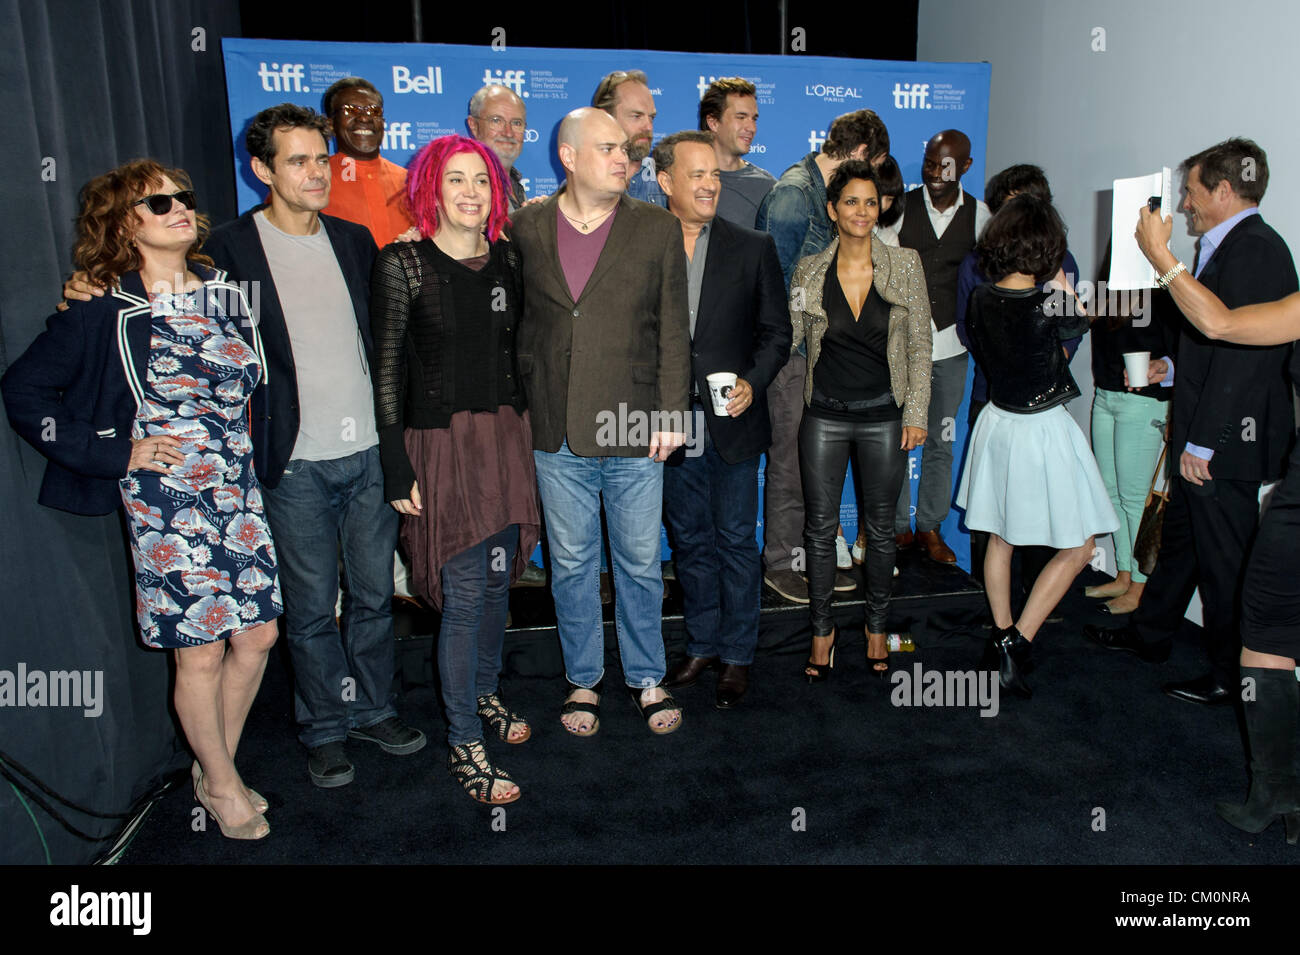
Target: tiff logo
point(911, 96)
point(75, 907)
point(815, 139)
point(510, 79)
point(277, 78)
point(397, 136)
point(404, 82)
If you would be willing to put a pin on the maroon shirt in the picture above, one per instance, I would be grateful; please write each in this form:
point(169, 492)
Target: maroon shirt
point(579, 250)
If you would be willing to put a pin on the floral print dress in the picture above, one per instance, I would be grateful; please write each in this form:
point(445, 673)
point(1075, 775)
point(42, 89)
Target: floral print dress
point(204, 560)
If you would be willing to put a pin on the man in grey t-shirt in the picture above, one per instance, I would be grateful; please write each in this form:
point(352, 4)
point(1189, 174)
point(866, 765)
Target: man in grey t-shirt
point(318, 454)
point(729, 109)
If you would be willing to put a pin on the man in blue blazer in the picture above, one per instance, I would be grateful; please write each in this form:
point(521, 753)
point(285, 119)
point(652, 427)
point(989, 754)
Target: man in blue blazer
point(317, 451)
point(739, 324)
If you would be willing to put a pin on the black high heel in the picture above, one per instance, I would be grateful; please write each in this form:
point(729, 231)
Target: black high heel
point(872, 661)
point(823, 670)
point(1013, 652)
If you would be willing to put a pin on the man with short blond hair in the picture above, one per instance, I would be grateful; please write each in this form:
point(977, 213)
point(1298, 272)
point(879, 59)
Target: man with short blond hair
point(625, 95)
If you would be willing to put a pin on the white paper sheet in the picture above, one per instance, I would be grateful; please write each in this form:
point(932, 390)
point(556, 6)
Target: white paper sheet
point(1129, 268)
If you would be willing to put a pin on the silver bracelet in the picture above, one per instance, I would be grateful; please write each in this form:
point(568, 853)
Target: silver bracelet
point(1172, 274)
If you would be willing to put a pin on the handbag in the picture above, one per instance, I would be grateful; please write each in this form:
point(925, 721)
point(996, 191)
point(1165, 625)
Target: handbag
point(1146, 545)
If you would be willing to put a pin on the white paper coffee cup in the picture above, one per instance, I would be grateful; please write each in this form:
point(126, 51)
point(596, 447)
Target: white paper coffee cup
point(1137, 364)
point(720, 385)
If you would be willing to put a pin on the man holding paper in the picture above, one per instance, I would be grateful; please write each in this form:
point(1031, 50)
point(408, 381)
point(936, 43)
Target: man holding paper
point(1233, 423)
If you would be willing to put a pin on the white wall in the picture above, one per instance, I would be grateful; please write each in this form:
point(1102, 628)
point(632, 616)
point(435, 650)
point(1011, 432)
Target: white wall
point(1173, 78)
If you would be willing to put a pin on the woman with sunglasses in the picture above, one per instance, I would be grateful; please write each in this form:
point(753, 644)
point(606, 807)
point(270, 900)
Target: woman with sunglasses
point(142, 398)
point(454, 439)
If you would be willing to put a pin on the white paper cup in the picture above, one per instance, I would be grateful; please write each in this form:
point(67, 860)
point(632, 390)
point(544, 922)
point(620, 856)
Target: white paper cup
point(1137, 364)
point(720, 385)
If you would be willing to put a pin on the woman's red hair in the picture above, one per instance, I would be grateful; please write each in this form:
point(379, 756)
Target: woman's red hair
point(107, 222)
point(424, 184)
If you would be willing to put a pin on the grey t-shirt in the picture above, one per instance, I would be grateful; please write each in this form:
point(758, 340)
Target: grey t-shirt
point(743, 190)
point(335, 396)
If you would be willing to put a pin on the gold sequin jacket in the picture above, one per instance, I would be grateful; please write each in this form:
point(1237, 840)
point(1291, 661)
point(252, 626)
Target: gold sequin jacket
point(898, 280)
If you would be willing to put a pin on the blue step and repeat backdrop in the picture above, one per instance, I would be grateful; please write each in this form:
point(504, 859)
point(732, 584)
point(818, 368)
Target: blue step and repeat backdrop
point(427, 86)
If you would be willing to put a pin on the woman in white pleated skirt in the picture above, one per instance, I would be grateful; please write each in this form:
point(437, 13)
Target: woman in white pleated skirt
point(1030, 476)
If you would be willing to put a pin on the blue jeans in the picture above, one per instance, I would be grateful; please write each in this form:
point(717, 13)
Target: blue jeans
point(935, 489)
point(571, 488)
point(319, 510)
point(711, 509)
point(475, 599)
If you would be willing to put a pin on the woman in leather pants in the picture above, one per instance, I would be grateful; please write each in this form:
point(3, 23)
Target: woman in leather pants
point(863, 308)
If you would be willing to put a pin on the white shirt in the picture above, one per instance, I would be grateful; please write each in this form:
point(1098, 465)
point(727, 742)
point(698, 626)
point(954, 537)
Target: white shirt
point(946, 344)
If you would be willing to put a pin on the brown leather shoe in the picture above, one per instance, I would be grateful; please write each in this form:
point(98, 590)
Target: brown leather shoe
point(688, 671)
point(935, 548)
point(732, 685)
point(904, 541)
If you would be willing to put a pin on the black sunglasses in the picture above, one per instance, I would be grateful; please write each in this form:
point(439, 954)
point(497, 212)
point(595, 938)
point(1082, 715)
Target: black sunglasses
point(160, 204)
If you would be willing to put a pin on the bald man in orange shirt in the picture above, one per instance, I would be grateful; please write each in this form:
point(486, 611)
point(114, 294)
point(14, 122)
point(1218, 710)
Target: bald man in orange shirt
point(365, 188)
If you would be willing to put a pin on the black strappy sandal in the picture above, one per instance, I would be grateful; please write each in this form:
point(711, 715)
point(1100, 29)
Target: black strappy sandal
point(579, 706)
point(499, 719)
point(470, 766)
point(650, 709)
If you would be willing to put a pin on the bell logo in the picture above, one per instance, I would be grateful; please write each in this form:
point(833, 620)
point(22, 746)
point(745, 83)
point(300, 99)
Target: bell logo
point(510, 79)
point(397, 136)
point(815, 139)
point(403, 82)
point(277, 78)
point(911, 96)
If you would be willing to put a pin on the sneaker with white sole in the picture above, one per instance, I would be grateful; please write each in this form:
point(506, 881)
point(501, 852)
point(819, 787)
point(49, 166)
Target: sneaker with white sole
point(843, 559)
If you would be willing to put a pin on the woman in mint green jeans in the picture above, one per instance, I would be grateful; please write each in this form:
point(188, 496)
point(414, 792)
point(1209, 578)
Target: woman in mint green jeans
point(1128, 427)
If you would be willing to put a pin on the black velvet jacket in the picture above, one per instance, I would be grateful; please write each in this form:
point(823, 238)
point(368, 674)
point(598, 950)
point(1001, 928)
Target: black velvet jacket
point(1018, 343)
point(418, 351)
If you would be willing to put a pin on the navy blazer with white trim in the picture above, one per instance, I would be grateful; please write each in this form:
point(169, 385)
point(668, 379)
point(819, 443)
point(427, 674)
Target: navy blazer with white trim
point(74, 394)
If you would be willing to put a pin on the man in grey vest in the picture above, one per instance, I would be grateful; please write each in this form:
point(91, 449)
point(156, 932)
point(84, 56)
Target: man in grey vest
point(941, 221)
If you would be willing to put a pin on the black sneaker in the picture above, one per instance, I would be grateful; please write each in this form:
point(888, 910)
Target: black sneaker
point(392, 735)
point(329, 766)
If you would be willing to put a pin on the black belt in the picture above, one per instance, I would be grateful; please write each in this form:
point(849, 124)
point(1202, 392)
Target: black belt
point(834, 404)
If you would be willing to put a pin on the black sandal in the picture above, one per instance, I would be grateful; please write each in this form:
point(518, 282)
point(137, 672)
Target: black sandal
point(579, 706)
point(470, 765)
point(650, 709)
point(499, 719)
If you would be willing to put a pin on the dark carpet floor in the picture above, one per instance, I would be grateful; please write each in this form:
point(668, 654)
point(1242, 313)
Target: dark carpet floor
point(1099, 767)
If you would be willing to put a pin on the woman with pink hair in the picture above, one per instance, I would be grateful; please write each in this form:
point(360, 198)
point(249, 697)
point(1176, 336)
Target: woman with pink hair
point(454, 435)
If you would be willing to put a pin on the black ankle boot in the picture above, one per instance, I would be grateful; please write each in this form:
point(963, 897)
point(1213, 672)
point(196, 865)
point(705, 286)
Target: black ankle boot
point(1271, 725)
point(1014, 653)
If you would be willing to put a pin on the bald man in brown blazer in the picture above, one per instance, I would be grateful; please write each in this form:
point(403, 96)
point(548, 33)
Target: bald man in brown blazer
point(604, 352)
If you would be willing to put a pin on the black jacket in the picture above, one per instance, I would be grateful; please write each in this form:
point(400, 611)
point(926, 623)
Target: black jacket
point(1236, 400)
point(1019, 344)
point(237, 248)
point(743, 326)
point(419, 346)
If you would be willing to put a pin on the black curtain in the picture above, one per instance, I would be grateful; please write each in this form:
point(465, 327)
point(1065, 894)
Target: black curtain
point(88, 86)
